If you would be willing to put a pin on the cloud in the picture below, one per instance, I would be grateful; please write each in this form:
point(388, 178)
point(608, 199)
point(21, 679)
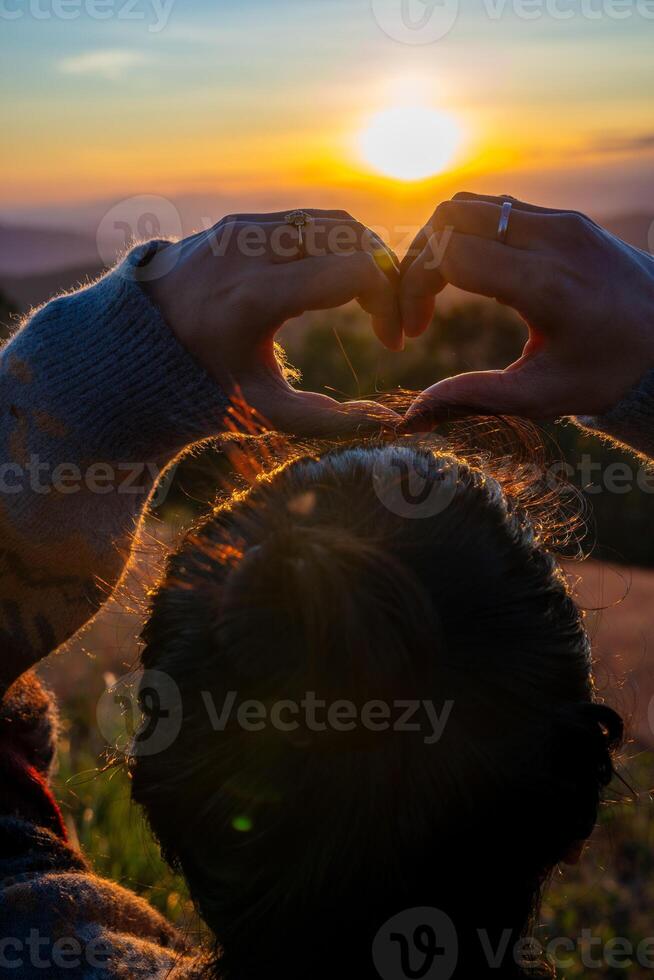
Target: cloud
point(110, 64)
point(622, 144)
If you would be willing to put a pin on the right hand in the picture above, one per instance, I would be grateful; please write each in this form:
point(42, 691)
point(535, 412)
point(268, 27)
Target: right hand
point(231, 288)
point(587, 298)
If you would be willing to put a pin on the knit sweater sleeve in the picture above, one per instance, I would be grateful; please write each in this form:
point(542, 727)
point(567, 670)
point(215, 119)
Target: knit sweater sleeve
point(631, 422)
point(97, 397)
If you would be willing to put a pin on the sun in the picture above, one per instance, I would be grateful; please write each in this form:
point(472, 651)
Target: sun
point(410, 142)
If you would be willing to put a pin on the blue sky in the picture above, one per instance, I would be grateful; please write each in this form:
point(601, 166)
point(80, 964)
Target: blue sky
point(271, 92)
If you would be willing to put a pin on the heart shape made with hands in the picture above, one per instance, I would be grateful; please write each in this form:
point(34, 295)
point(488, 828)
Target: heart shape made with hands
point(569, 280)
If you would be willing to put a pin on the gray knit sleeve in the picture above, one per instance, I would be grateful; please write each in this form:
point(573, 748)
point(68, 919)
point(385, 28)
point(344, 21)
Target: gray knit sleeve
point(631, 422)
point(97, 397)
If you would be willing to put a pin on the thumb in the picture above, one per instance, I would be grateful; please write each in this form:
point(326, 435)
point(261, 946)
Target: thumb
point(476, 393)
point(310, 414)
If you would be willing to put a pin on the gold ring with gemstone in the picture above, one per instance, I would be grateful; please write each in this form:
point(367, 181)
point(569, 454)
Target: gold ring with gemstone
point(299, 220)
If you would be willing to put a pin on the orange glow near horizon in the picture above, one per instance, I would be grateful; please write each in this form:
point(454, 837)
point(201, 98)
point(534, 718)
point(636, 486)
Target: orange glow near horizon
point(370, 151)
point(302, 104)
point(387, 151)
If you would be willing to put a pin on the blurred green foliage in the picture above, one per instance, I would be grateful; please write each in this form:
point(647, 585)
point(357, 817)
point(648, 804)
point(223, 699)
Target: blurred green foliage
point(112, 832)
point(609, 895)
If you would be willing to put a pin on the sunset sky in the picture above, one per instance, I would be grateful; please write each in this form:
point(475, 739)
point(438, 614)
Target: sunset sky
point(259, 100)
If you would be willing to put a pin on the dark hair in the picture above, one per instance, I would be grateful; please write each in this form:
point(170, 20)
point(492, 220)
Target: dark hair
point(298, 846)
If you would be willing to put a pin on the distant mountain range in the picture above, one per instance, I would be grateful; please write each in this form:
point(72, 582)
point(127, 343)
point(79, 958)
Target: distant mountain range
point(636, 229)
point(36, 263)
point(25, 292)
point(30, 251)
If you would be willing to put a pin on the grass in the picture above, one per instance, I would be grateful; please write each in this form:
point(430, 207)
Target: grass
point(610, 894)
point(112, 832)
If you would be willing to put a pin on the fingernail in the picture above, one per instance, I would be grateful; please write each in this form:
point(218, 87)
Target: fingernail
point(384, 260)
point(395, 342)
point(412, 328)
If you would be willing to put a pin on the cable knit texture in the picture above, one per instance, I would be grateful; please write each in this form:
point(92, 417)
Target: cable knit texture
point(97, 397)
point(95, 389)
point(95, 393)
point(631, 422)
point(106, 376)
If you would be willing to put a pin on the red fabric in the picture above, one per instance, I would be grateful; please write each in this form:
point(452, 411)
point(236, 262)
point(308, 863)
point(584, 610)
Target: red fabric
point(26, 791)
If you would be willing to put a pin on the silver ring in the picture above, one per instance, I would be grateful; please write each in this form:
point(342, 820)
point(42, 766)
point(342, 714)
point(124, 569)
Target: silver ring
point(503, 224)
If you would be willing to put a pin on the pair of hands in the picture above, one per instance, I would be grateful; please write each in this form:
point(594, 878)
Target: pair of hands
point(587, 299)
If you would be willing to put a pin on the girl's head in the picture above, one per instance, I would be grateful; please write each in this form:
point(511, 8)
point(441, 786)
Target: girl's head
point(425, 734)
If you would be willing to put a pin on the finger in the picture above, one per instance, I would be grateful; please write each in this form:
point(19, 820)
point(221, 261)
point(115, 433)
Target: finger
point(526, 230)
point(476, 393)
point(317, 214)
point(517, 204)
point(472, 217)
point(474, 264)
point(312, 415)
point(282, 242)
point(333, 280)
point(421, 239)
point(477, 265)
point(326, 236)
point(419, 243)
point(510, 275)
point(419, 286)
point(463, 196)
point(415, 248)
point(242, 226)
point(266, 217)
